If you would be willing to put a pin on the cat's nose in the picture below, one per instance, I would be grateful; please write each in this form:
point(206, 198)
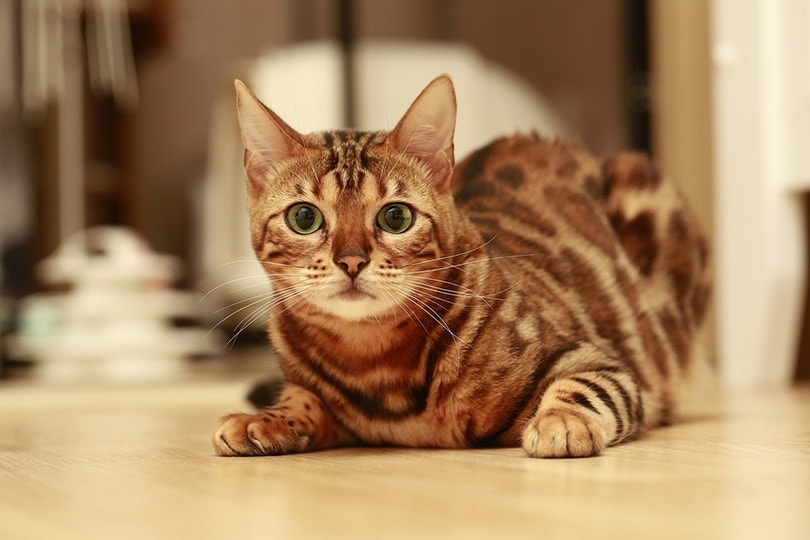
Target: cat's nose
point(351, 262)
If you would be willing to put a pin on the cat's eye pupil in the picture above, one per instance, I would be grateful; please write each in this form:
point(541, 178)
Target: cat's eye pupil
point(304, 218)
point(395, 218)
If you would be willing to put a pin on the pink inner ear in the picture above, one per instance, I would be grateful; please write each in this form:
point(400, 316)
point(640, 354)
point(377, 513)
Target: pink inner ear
point(427, 128)
point(266, 137)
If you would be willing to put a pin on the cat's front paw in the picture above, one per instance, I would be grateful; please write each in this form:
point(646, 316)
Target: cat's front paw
point(563, 434)
point(260, 434)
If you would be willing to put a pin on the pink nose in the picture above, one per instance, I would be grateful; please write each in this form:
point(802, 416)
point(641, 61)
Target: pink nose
point(351, 263)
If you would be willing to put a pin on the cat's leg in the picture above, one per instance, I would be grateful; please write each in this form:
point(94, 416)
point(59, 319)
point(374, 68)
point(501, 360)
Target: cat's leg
point(298, 422)
point(581, 414)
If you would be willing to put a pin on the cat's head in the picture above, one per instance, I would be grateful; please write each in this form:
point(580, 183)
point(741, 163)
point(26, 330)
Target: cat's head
point(353, 224)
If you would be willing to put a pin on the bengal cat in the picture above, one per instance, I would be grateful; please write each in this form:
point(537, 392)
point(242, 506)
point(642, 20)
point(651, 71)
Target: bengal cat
point(532, 295)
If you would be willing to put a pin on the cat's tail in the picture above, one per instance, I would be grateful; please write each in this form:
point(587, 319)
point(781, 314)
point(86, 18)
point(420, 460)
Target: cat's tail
point(266, 393)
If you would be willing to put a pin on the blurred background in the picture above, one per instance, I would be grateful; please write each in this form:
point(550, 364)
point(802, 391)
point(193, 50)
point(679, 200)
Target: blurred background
point(122, 228)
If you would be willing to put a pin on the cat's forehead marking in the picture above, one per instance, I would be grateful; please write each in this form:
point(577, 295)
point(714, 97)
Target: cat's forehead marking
point(348, 156)
point(352, 164)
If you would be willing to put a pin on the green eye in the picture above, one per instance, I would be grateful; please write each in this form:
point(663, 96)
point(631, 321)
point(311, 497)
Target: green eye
point(395, 218)
point(304, 218)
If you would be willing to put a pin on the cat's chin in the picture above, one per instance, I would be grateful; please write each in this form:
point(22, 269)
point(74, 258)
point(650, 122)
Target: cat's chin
point(354, 305)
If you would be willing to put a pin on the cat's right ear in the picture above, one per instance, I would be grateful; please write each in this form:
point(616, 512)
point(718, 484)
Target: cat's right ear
point(268, 140)
point(426, 131)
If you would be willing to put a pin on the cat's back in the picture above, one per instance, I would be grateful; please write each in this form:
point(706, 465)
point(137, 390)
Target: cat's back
point(614, 238)
point(527, 194)
point(523, 166)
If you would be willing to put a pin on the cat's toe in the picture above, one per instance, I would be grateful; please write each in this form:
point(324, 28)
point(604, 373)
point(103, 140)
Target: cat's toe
point(254, 435)
point(232, 439)
point(563, 434)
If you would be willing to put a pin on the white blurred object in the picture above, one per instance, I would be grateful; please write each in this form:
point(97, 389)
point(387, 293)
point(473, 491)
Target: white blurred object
point(115, 322)
point(761, 122)
point(52, 49)
point(53, 73)
point(304, 85)
point(111, 62)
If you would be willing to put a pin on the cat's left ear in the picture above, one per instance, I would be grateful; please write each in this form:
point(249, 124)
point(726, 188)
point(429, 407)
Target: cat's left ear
point(426, 131)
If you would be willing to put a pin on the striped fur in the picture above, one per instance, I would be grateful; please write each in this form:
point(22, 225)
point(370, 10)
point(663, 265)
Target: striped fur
point(542, 297)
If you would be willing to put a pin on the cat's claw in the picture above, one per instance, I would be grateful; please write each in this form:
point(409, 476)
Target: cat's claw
point(222, 447)
point(563, 434)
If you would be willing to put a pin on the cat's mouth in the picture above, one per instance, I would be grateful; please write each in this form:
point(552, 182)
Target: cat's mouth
point(352, 303)
point(353, 293)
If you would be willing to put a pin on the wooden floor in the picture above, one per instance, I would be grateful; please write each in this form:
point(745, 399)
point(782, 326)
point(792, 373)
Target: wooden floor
point(135, 462)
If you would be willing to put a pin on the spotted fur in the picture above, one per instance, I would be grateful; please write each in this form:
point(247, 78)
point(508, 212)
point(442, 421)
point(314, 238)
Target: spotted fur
point(542, 297)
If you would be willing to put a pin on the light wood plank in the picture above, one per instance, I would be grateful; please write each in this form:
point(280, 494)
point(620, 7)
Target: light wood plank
point(135, 462)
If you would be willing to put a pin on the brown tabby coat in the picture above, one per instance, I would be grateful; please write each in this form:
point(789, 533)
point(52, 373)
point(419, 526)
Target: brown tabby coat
point(540, 297)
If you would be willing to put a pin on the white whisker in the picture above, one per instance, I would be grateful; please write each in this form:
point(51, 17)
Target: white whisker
point(260, 281)
point(265, 307)
point(408, 311)
point(453, 256)
point(271, 297)
point(424, 305)
point(474, 261)
point(461, 292)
